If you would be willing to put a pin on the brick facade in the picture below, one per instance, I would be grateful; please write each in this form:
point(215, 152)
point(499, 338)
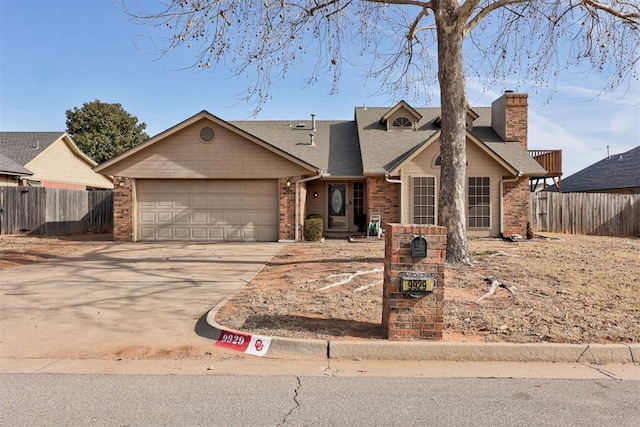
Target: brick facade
point(516, 118)
point(123, 209)
point(515, 205)
point(62, 185)
point(405, 317)
point(286, 209)
point(383, 198)
point(516, 195)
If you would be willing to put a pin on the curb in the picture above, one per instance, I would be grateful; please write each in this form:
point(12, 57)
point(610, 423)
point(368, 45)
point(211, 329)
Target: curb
point(292, 348)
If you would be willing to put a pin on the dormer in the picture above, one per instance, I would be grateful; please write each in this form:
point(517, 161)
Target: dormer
point(401, 117)
point(471, 117)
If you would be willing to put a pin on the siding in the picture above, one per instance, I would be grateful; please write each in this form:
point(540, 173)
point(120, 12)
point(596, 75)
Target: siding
point(182, 155)
point(480, 164)
point(8, 180)
point(58, 163)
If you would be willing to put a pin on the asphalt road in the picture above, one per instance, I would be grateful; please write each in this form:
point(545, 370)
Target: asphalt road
point(134, 400)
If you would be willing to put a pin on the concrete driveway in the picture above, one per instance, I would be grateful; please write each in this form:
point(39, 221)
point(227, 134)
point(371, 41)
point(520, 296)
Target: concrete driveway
point(122, 300)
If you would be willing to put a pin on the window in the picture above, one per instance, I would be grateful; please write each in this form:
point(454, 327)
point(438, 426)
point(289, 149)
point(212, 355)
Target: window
point(402, 122)
point(479, 202)
point(358, 198)
point(424, 200)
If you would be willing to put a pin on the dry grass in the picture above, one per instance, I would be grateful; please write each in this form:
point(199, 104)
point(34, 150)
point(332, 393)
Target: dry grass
point(570, 289)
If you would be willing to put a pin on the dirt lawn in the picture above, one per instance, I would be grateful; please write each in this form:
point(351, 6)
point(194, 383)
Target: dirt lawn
point(571, 289)
point(568, 289)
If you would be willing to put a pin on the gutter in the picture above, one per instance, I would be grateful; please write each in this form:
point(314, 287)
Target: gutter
point(502, 182)
point(397, 181)
point(297, 208)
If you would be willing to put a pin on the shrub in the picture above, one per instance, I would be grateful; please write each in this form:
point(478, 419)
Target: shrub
point(313, 229)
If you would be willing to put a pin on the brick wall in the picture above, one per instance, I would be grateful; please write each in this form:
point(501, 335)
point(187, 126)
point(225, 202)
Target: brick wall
point(516, 207)
point(405, 317)
point(286, 208)
point(383, 198)
point(516, 117)
point(123, 209)
point(51, 184)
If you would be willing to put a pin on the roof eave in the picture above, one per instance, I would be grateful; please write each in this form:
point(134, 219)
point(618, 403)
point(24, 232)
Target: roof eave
point(193, 119)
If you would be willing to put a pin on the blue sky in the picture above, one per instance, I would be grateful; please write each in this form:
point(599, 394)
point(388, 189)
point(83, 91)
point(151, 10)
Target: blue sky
point(58, 54)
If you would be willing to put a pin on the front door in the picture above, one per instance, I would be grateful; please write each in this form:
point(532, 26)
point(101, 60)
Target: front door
point(337, 201)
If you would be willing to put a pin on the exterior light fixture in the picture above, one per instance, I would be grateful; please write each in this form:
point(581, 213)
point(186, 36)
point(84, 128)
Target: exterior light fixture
point(289, 182)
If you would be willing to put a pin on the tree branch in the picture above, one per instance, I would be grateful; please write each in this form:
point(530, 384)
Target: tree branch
point(414, 26)
point(633, 18)
point(487, 10)
point(424, 4)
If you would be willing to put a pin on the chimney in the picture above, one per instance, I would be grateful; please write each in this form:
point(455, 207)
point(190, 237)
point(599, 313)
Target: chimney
point(313, 122)
point(509, 117)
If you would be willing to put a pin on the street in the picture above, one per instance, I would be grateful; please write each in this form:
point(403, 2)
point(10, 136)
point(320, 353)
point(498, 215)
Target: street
point(168, 400)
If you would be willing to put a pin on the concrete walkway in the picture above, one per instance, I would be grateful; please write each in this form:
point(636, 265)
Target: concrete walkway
point(122, 300)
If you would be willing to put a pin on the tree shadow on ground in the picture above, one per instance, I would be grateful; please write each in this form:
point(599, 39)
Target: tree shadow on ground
point(295, 325)
point(325, 328)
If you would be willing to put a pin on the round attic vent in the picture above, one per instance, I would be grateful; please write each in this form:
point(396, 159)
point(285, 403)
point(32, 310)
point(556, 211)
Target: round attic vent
point(207, 134)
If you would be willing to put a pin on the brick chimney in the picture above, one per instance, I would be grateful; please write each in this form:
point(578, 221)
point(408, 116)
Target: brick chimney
point(509, 117)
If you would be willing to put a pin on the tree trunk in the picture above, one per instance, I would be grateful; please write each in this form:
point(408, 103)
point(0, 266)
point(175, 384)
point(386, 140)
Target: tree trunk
point(451, 204)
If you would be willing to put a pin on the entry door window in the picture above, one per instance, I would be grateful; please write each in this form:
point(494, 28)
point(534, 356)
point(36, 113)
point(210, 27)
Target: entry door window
point(337, 206)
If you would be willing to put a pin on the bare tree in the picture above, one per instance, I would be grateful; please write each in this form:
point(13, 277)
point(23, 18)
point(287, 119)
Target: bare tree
point(406, 44)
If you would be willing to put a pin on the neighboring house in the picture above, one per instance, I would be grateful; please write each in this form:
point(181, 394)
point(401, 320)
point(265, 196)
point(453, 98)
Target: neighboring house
point(11, 172)
point(209, 179)
point(47, 159)
point(619, 173)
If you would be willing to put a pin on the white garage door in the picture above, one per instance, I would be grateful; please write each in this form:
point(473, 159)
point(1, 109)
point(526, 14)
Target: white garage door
point(207, 210)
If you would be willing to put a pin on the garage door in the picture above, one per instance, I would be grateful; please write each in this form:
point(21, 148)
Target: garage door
point(207, 210)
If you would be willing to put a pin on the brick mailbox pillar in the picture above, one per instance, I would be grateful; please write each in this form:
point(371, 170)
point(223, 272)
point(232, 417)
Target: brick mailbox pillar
point(414, 315)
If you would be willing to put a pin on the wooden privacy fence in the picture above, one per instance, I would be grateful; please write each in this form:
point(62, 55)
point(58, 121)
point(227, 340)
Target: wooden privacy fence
point(55, 211)
point(601, 214)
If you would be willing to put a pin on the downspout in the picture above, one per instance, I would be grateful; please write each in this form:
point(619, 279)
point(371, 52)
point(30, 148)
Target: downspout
point(502, 182)
point(297, 208)
point(397, 181)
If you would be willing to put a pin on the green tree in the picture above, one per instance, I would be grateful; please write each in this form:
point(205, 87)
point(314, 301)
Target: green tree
point(103, 130)
point(411, 47)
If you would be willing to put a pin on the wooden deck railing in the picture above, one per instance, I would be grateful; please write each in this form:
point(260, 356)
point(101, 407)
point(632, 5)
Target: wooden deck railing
point(551, 160)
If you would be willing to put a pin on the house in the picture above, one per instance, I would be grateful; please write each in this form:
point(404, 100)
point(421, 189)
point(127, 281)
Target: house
point(209, 179)
point(10, 171)
point(48, 159)
point(619, 173)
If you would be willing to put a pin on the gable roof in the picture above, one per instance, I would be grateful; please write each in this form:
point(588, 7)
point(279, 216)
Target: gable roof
point(23, 147)
point(401, 105)
point(204, 114)
point(359, 147)
point(10, 167)
point(384, 151)
point(613, 172)
point(335, 150)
